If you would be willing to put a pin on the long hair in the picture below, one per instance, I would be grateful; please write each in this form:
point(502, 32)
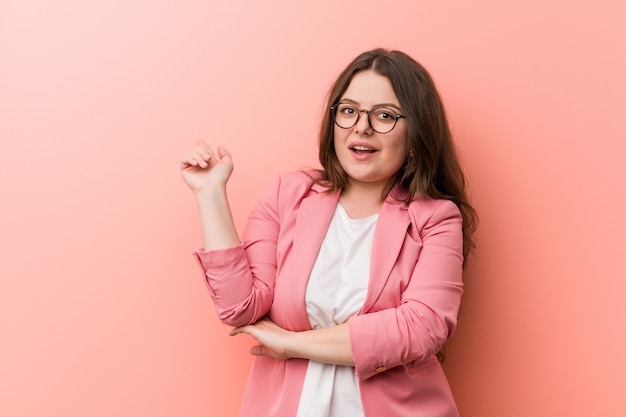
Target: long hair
point(431, 168)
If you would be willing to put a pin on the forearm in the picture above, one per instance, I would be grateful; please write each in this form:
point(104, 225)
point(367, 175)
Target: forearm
point(328, 345)
point(218, 227)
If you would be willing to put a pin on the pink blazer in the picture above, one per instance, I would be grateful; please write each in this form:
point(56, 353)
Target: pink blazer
point(410, 309)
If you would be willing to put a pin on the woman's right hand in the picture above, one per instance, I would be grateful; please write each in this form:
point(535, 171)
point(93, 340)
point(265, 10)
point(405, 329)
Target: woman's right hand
point(204, 168)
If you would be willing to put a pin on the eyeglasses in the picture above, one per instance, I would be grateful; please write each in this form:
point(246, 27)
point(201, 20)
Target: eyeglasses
point(381, 119)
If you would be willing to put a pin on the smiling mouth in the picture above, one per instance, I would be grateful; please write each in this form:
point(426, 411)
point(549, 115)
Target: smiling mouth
point(362, 149)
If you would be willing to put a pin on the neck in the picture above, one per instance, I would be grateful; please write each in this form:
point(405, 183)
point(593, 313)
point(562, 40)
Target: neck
point(362, 200)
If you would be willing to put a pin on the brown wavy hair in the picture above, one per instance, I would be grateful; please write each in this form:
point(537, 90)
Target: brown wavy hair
point(431, 168)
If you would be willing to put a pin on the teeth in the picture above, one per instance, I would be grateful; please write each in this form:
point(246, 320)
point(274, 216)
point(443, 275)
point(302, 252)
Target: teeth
point(361, 148)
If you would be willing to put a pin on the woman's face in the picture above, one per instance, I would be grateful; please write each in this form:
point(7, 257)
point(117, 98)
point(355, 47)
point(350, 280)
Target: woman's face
point(370, 158)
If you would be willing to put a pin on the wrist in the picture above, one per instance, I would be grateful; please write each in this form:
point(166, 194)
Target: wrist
point(211, 192)
point(293, 347)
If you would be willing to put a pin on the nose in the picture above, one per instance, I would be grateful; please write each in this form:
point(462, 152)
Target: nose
point(363, 123)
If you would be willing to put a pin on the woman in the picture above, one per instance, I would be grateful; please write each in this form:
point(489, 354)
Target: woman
point(348, 277)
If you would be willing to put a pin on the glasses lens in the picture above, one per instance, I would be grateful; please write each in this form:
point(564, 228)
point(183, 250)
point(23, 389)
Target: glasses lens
point(346, 115)
point(383, 119)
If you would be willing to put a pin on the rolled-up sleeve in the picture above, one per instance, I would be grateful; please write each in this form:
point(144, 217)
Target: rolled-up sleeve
point(426, 316)
point(241, 278)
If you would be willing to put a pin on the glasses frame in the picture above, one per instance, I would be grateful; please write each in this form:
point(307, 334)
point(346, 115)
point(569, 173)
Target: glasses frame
point(333, 111)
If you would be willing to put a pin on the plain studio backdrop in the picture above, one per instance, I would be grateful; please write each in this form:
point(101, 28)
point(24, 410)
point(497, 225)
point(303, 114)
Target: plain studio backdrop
point(102, 309)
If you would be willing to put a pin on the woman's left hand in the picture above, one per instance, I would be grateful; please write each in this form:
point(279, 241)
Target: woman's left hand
point(273, 340)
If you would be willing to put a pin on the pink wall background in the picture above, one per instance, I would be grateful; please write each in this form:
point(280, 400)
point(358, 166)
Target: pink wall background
point(102, 310)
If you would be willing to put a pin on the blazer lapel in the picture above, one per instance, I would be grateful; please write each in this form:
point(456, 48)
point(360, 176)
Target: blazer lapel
point(314, 217)
point(389, 235)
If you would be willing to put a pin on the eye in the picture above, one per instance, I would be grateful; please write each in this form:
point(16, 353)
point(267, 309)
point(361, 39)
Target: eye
point(347, 110)
point(384, 115)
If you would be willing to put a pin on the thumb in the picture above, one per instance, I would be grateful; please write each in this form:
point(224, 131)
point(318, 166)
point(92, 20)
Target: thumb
point(223, 153)
point(259, 350)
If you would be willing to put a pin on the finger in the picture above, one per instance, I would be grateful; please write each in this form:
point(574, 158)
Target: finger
point(202, 146)
point(200, 159)
point(202, 142)
point(259, 350)
point(237, 330)
point(203, 149)
point(188, 161)
point(202, 152)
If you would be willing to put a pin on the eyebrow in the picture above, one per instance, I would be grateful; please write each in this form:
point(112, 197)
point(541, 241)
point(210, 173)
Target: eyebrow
point(343, 100)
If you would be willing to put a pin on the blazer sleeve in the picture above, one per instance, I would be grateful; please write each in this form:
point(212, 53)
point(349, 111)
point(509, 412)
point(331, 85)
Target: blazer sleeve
point(241, 279)
point(426, 317)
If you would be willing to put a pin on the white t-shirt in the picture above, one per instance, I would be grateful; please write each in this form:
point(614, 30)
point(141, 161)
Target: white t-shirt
point(336, 291)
